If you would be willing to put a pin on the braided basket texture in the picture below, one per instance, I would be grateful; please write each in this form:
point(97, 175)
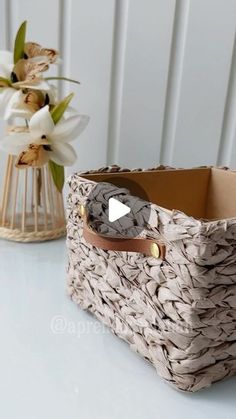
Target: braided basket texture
point(178, 313)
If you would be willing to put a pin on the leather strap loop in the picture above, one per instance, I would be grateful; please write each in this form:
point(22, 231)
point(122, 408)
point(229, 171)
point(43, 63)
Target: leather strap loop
point(149, 247)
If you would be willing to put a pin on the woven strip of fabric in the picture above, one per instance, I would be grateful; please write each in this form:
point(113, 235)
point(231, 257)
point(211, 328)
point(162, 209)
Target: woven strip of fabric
point(179, 313)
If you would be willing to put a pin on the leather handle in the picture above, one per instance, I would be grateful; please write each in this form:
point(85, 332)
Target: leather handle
point(149, 247)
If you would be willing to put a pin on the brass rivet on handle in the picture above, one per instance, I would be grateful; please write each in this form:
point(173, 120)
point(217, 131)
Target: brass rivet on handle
point(155, 251)
point(82, 210)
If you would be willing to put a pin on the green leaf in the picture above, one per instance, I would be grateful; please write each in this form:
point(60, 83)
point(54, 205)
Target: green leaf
point(20, 42)
point(62, 78)
point(57, 171)
point(58, 175)
point(4, 82)
point(59, 109)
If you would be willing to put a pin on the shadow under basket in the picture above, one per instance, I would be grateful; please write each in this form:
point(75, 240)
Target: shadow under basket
point(32, 209)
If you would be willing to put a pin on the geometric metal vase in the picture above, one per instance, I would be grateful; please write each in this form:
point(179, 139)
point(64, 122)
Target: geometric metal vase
point(31, 207)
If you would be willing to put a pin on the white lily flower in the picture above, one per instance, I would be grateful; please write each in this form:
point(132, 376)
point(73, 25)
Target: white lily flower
point(16, 107)
point(9, 97)
point(6, 64)
point(36, 52)
point(53, 138)
point(8, 94)
point(24, 105)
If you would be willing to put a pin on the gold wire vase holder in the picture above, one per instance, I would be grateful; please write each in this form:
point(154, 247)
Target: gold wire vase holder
point(31, 208)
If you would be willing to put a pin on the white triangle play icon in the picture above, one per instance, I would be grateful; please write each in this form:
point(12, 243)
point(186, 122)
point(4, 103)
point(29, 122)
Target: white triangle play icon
point(116, 209)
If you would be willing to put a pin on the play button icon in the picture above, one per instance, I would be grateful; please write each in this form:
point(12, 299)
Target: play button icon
point(116, 210)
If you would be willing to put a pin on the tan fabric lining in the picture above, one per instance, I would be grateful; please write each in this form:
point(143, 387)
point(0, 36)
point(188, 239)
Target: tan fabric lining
point(207, 193)
point(221, 202)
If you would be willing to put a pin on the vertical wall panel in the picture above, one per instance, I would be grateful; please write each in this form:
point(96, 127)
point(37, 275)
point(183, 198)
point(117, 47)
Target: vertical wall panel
point(42, 17)
point(175, 72)
point(227, 150)
point(117, 78)
point(3, 24)
point(91, 25)
point(206, 67)
point(147, 53)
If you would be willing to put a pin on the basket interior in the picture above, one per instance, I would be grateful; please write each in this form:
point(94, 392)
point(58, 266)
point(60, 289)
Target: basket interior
point(207, 193)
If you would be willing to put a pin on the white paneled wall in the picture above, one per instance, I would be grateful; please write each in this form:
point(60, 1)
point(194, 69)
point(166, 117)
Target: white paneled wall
point(158, 77)
point(140, 72)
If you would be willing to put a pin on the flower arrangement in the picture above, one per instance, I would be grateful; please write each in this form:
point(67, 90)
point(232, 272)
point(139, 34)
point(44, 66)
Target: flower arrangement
point(45, 126)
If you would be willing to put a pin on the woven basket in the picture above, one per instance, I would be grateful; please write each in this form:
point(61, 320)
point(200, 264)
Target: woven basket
point(178, 310)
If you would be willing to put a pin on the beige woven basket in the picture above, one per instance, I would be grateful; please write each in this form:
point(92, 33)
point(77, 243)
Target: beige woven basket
point(178, 309)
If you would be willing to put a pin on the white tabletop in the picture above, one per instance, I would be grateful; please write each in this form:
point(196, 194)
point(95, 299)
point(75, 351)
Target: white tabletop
point(59, 362)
